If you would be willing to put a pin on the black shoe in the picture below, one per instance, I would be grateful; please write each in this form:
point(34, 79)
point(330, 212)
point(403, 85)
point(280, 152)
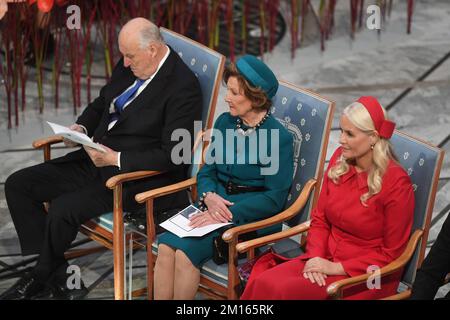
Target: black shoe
point(25, 288)
point(59, 290)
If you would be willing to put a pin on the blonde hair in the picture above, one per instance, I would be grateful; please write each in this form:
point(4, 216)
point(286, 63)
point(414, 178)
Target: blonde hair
point(382, 152)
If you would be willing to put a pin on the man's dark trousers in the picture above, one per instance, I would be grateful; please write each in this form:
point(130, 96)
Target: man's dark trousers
point(70, 188)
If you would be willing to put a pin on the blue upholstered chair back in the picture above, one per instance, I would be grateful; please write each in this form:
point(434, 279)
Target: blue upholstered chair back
point(308, 117)
point(207, 65)
point(423, 163)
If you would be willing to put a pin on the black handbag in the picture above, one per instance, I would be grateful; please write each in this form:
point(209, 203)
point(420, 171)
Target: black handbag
point(220, 247)
point(244, 270)
point(139, 219)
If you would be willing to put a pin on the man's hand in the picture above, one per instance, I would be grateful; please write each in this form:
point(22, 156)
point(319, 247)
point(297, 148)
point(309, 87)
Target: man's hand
point(102, 159)
point(70, 143)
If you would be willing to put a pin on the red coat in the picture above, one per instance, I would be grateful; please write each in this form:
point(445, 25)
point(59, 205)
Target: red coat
point(343, 230)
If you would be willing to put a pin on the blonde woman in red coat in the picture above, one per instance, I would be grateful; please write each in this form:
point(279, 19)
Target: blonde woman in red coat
point(362, 221)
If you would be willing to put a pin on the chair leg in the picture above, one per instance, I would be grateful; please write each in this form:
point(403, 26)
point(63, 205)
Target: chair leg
point(118, 245)
point(119, 264)
point(150, 266)
point(129, 295)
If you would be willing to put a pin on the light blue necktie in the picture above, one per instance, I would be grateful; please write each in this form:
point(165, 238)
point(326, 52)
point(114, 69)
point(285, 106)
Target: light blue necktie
point(123, 99)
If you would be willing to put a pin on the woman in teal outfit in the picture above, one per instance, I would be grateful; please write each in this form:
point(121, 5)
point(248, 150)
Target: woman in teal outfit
point(247, 176)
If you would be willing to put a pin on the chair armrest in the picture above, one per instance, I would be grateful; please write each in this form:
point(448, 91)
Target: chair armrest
point(235, 248)
point(45, 144)
point(259, 242)
point(113, 181)
point(124, 177)
point(159, 192)
point(40, 143)
point(335, 289)
point(280, 217)
point(231, 235)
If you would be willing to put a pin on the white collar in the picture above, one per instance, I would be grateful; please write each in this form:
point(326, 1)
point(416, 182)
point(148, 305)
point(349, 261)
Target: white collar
point(160, 64)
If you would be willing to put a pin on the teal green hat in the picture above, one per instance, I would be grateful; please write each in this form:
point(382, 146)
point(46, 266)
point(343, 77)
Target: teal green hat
point(258, 74)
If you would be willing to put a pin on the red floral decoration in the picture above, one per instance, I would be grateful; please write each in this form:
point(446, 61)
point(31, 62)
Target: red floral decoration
point(47, 5)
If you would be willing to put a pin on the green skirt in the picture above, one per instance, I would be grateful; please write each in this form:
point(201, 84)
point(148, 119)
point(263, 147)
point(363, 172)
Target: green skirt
point(197, 249)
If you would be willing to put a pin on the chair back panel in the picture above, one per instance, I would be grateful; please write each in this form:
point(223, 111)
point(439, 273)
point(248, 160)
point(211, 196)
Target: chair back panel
point(208, 66)
point(422, 162)
point(205, 63)
point(307, 116)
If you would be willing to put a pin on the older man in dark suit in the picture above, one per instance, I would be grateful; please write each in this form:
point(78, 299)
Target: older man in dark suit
point(151, 93)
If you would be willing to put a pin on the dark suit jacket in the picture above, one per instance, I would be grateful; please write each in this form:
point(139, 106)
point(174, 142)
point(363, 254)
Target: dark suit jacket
point(142, 134)
point(434, 268)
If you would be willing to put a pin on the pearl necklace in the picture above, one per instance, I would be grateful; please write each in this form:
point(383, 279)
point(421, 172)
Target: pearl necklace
point(250, 130)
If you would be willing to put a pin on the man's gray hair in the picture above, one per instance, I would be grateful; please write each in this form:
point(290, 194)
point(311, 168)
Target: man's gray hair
point(150, 34)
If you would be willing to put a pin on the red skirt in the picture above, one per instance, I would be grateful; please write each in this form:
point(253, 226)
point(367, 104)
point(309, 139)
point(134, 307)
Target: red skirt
point(274, 279)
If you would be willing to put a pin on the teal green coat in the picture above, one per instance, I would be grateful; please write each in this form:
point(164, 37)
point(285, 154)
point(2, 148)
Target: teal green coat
point(242, 162)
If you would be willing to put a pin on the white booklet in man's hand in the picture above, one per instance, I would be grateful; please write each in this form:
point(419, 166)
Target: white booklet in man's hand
point(179, 224)
point(74, 136)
